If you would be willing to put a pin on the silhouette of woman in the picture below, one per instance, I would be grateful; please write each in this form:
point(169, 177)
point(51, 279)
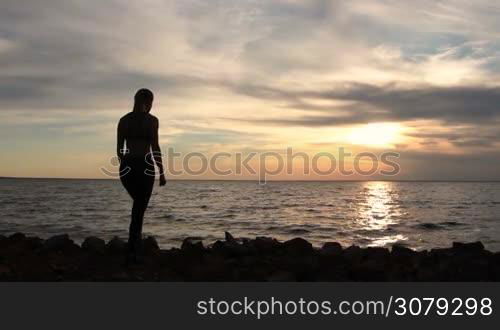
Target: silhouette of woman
point(138, 150)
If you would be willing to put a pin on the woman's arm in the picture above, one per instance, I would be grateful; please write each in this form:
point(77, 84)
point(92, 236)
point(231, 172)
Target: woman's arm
point(120, 141)
point(157, 152)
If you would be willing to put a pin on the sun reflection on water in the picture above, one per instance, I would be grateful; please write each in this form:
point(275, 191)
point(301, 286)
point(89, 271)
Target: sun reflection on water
point(377, 210)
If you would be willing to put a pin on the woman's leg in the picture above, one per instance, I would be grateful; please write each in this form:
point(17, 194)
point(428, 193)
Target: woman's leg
point(131, 183)
point(143, 187)
point(135, 230)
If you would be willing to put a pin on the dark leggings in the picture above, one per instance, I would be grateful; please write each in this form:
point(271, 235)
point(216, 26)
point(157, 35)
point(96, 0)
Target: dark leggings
point(137, 176)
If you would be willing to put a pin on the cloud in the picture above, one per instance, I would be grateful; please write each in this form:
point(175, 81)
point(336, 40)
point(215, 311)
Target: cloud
point(451, 105)
point(71, 68)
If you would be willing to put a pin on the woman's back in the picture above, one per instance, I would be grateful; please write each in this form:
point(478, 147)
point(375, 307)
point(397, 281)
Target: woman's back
point(137, 128)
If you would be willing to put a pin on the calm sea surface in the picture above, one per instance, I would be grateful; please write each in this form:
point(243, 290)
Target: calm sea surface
point(421, 215)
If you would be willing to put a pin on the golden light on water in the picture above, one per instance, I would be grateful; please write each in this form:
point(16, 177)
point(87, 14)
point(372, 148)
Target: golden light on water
point(378, 211)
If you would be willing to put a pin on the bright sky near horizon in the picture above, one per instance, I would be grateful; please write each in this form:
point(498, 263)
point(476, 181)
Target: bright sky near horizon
point(417, 77)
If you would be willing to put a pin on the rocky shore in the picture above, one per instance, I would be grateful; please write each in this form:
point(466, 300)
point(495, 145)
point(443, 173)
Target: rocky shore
point(58, 258)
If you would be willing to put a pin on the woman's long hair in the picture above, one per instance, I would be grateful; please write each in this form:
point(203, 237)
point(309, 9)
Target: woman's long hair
point(142, 96)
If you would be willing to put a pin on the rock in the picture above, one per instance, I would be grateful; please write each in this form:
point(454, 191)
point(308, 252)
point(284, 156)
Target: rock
point(232, 248)
point(17, 237)
point(219, 246)
point(265, 244)
point(192, 244)
point(402, 251)
point(282, 276)
point(94, 245)
point(120, 277)
point(262, 259)
point(116, 245)
point(441, 253)
point(36, 243)
point(353, 252)
point(376, 253)
point(18, 243)
point(5, 271)
point(150, 245)
point(475, 247)
point(229, 237)
point(369, 270)
point(331, 249)
point(58, 243)
point(298, 246)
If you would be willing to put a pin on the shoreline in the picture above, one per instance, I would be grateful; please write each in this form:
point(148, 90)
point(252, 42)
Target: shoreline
point(59, 258)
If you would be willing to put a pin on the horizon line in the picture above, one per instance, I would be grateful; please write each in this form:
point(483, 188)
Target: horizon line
point(254, 180)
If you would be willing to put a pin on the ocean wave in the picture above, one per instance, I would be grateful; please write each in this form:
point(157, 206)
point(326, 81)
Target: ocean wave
point(429, 226)
point(298, 231)
point(452, 223)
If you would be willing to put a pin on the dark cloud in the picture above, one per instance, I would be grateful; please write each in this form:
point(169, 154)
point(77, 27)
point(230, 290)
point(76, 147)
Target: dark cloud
point(470, 115)
point(479, 165)
point(95, 90)
point(452, 105)
point(469, 137)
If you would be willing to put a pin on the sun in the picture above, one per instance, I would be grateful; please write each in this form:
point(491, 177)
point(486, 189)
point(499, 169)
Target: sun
point(376, 134)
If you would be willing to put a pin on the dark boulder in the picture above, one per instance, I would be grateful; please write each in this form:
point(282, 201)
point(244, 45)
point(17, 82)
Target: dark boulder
point(402, 251)
point(116, 245)
point(192, 244)
point(17, 237)
point(376, 253)
point(19, 243)
point(150, 245)
point(441, 253)
point(331, 249)
point(5, 272)
point(369, 270)
point(475, 247)
point(219, 247)
point(282, 276)
point(94, 245)
point(265, 244)
point(229, 238)
point(234, 249)
point(298, 246)
point(59, 243)
point(353, 253)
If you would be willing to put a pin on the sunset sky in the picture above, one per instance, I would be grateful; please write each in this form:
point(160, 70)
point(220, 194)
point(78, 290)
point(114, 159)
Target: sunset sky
point(421, 78)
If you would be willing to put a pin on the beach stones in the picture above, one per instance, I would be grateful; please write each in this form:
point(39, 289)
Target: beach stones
point(192, 244)
point(17, 237)
point(229, 238)
point(298, 246)
point(150, 245)
point(59, 243)
point(261, 259)
point(353, 252)
point(265, 244)
point(94, 245)
point(116, 245)
point(331, 249)
point(468, 247)
point(18, 242)
point(402, 251)
point(282, 276)
point(377, 253)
